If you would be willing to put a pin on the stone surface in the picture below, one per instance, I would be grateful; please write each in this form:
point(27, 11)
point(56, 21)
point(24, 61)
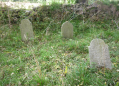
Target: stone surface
point(67, 30)
point(99, 54)
point(26, 30)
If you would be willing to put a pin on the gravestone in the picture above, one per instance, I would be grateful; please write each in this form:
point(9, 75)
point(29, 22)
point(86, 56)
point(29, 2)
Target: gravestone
point(99, 54)
point(26, 30)
point(67, 30)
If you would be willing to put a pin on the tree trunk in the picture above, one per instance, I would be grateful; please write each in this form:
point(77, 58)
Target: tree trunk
point(82, 1)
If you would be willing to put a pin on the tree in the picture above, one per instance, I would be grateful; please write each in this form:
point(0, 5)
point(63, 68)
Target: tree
point(82, 1)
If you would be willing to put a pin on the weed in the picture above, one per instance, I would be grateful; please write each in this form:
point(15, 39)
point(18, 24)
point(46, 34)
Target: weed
point(52, 60)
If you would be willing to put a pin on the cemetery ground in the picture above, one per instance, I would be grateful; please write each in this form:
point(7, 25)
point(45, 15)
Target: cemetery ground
point(52, 60)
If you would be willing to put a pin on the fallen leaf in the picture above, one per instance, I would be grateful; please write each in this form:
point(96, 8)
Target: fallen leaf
point(65, 70)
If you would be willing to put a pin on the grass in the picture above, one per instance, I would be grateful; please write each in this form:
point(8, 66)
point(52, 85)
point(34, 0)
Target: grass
point(52, 60)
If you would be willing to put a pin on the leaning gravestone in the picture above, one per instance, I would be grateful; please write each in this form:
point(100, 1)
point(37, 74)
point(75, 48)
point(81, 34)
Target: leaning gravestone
point(26, 30)
point(67, 30)
point(99, 54)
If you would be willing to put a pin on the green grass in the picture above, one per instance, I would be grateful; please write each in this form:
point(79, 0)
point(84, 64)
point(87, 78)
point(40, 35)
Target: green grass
point(44, 61)
point(55, 61)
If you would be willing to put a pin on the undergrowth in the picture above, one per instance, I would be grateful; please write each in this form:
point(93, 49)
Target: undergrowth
point(52, 60)
point(60, 61)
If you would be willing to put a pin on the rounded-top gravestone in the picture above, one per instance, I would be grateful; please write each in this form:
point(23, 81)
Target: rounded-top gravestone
point(99, 54)
point(26, 30)
point(67, 30)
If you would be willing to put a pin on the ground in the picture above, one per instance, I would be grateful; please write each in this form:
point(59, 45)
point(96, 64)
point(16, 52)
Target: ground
point(52, 60)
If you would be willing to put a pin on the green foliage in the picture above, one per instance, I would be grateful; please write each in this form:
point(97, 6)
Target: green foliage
point(71, 1)
point(115, 3)
point(4, 14)
point(52, 60)
point(39, 81)
point(55, 6)
point(13, 15)
point(99, 77)
point(54, 54)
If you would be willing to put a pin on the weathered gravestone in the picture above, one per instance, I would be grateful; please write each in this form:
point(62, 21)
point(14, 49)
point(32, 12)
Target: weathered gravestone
point(67, 30)
point(26, 30)
point(99, 54)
